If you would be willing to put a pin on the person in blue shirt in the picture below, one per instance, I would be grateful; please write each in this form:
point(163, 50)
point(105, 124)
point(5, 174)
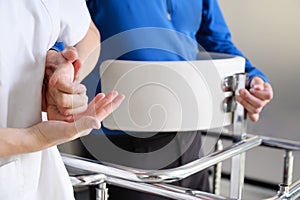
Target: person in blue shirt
point(201, 21)
point(169, 30)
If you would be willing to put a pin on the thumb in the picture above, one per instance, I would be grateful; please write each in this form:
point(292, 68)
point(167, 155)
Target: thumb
point(63, 74)
point(70, 54)
point(257, 83)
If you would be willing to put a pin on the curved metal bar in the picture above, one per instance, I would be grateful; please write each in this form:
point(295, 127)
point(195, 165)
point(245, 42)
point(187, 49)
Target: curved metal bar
point(279, 143)
point(178, 173)
point(165, 190)
point(97, 167)
point(168, 175)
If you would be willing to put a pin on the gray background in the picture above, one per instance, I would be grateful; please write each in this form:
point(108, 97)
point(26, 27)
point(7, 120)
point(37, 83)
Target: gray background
point(267, 32)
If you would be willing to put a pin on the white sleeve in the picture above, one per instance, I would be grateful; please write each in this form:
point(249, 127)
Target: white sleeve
point(74, 21)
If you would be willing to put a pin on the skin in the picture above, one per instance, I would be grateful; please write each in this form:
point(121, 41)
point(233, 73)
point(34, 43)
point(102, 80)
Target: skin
point(63, 93)
point(49, 133)
point(64, 99)
point(256, 98)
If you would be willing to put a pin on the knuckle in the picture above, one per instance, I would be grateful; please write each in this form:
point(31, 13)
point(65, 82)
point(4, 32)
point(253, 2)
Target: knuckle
point(83, 88)
point(257, 110)
point(64, 101)
point(260, 105)
point(86, 99)
point(269, 96)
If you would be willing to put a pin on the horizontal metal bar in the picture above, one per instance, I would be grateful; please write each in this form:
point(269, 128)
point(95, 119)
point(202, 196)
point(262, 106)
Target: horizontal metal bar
point(97, 167)
point(165, 190)
point(87, 180)
point(276, 143)
point(174, 174)
point(167, 175)
point(279, 143)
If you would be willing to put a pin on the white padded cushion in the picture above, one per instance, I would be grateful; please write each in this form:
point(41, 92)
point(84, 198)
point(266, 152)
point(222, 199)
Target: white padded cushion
point(170, 96)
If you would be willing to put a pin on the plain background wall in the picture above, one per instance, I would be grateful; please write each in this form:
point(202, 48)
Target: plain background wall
point(268, 33)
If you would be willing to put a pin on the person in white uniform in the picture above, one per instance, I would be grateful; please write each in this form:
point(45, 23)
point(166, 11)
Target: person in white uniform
point(30, 164)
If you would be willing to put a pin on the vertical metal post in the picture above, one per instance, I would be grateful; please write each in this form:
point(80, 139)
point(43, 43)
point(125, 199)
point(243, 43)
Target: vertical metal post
point(239, 130)
point(102, 191)
point(217, 171)
point(288, 168)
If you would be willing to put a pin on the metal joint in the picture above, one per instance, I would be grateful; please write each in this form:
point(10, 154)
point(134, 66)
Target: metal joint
point(230, 83)
point(229, 104)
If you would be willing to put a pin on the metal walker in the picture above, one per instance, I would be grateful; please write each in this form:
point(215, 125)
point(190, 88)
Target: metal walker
point(85, 172)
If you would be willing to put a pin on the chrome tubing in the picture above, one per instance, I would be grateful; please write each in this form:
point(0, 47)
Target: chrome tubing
point(97, 167)
point(99, 180)
point(174, 174)
point(288, 192)
point(167, 175)
point(87, 180)
point(217, 175)
point(275, 143)
point(288, 166)
point(239, 127)
point(164, 190)
point(279, 143)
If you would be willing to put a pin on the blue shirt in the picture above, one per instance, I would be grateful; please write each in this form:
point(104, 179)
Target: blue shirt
point(162, 30)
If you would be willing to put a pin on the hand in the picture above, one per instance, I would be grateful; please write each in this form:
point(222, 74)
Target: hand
point(52, 132)
point(64, 95)
point(254, 100)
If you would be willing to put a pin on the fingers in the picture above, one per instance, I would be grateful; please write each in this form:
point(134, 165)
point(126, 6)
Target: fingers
point(72, 88)
point(70, 54)
point(256, 98)
point(254, 116)
point(265, 94)
point(54, 114)
point(108, 104)
point(86, 124)
point(77, 65)
point(75, 96)
point(250, 102)
point(100, 107)
point(73, 110)
point(64, 75)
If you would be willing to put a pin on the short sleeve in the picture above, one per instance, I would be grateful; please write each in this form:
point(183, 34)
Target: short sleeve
point(74, 21)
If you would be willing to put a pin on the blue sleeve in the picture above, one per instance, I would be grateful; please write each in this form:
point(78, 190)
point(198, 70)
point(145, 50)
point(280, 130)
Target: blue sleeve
point(214, 36)
point(58, 46)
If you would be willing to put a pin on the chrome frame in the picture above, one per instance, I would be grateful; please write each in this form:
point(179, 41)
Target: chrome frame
point(239, 130)
point(154, 181)
point(141, 180)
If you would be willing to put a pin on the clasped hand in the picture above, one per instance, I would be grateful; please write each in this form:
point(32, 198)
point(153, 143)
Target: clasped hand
point(254, 99)
point(64, 98)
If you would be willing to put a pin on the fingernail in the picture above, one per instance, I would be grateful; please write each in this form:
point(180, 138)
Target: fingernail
point(114, 93)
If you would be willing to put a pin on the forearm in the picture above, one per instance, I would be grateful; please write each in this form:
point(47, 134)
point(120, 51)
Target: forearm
point(88, 50)
point(35, 138)
point(14, 141)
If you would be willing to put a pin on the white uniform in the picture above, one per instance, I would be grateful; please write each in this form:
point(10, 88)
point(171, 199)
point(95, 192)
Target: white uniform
point(28, 29)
